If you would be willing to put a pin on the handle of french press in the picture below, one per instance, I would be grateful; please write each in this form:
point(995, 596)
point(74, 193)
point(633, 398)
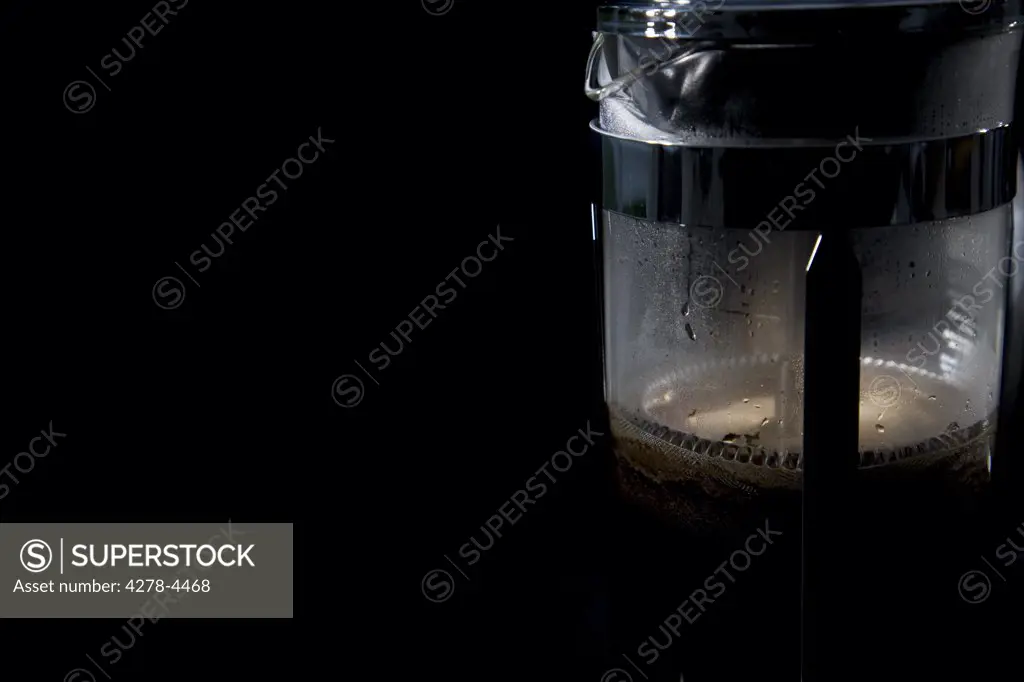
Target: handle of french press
point(831, 434)
point(1007, 460)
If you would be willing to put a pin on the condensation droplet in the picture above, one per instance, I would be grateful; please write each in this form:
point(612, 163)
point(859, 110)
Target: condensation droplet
point(689, 332)
point(879, 428)
point(686, 309)
point(746, 400)
point(764, 422)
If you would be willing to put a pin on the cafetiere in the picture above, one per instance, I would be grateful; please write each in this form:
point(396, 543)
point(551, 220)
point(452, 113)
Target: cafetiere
point(806, 250)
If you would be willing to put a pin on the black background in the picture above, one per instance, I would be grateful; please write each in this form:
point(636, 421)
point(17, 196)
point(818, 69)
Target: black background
point(445, 127)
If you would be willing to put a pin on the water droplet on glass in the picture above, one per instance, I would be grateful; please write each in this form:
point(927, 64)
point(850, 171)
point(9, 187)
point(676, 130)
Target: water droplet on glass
point(746, 400)
point(764, 422)
point(879, 428)
point(729, 438)
point(689, 332)
point(931, 397)
point(686, 309)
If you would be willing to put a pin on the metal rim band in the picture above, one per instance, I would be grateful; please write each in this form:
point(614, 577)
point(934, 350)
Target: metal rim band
point(849, 184)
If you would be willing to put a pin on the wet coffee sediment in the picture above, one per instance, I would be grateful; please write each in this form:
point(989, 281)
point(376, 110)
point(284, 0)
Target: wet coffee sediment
point(706, 486)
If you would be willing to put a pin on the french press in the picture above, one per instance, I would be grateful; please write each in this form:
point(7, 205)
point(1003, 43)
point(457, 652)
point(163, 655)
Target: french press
point(806, 250)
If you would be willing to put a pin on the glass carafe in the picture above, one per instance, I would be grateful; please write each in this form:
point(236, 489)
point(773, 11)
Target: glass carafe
point(805, 240)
